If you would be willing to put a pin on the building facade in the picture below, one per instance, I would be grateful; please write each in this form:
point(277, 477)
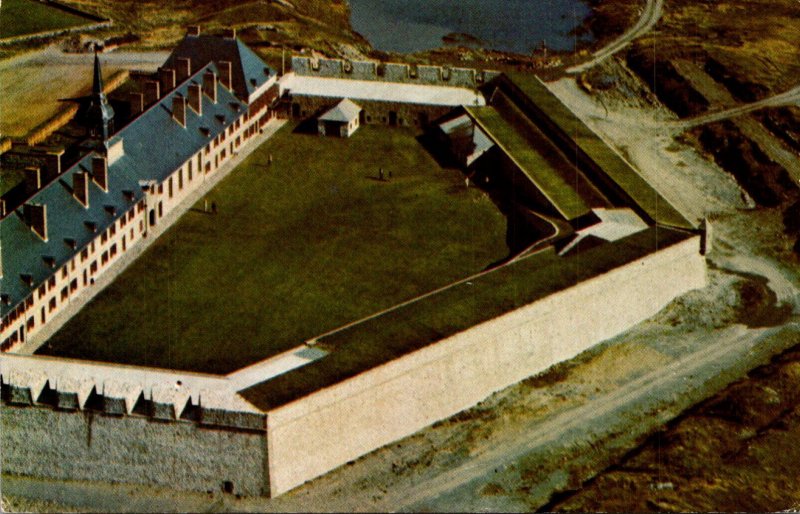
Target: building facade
point(213, 96)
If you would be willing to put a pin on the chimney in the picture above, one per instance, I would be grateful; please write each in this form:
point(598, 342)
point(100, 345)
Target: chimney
point(80, 187)
point(166, 77)
point(193, 30)
point(179, 109)
point(225, 73)
point(152, 92)
point(184, 68)
point(210, 85)
point(36, 217)
point(196, 98)
point(229, 33)
point(52, 161)
point(137, 103)
point(100, 172)
point(33, 180)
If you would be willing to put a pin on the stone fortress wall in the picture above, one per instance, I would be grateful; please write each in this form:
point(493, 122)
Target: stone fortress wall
point(403, 396)
point(396, 113)
point(201, 435)
point(392, 72)
point(71, 420)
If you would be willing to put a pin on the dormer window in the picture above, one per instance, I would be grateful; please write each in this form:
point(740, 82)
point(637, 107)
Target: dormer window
point(49, 261)
point(91, 225)
point(27, 279)
point(110, 209)
point(71, 243)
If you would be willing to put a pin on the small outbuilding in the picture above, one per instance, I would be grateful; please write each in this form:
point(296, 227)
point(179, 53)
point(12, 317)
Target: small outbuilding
point(342, 120)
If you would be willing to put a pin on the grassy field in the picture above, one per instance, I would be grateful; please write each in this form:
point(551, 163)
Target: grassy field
point(297, 248)
point(20, 17)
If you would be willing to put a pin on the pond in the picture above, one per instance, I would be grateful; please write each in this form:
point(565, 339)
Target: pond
point(518, 26)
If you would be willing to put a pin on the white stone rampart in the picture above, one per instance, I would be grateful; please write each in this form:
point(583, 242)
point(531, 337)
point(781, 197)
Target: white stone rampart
point(26, 377)
point(320, 432)
point(391, 72)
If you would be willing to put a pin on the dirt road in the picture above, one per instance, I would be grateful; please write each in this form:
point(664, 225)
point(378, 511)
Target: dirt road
point(650, 15)
point(604, 414)
point(792, 96)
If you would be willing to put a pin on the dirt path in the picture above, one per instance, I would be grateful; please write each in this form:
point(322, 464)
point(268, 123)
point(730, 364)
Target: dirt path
point(645, 394)
point(693, 185)
point(650, 15)
point(792, 96)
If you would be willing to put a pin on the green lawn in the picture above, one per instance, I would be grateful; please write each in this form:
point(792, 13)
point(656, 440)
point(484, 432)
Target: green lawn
point(19, 17)
point(297, 248)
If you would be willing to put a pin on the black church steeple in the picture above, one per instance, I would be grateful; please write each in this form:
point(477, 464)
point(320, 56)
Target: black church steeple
point(99, 114)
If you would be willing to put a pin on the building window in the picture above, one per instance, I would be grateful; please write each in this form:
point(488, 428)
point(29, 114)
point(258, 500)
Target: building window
point(42, 291)
point(104, 258)
point(52, 305)
point(104, 238)
point(93, 267)
point(122, 221)
point(113, 229)
point(189, 169)
point(113, 250)
point(170, 187)
point(84, 254)
point(64, 271)
point(64, 293)
point(92, 247)
point(73, 286)
point(161, 189)
point(51, 283)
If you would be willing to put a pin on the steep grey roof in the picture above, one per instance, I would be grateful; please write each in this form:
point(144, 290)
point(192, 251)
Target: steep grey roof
point(249, 72)
point(155, 146)
point(24, 252)
point(345, 111)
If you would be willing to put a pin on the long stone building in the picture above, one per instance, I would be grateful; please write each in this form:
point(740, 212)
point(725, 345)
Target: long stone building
point(212, 96)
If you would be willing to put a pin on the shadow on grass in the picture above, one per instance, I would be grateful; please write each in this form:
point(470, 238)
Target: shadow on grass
point(521, 229)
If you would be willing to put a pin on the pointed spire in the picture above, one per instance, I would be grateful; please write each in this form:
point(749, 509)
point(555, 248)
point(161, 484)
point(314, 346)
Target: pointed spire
point(99, 114)
point(97, 84)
